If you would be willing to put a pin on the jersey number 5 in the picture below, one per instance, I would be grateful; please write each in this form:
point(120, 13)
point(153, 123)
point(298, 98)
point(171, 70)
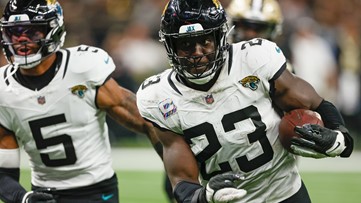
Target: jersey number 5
point(42, 143)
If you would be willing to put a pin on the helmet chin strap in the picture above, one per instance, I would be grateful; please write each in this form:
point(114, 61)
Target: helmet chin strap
point(202, 81)
point(230, 30)
point(27, 62)
point(11, 72)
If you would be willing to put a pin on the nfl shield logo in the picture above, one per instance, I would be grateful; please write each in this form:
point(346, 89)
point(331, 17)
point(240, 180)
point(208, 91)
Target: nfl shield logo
point(209, 99)
point(41, 100)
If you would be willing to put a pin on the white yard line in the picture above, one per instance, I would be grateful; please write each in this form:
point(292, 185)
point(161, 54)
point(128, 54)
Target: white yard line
point(148, 160)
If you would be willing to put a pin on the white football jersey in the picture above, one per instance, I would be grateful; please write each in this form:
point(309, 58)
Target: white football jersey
point(60, 126)
point(233, 126)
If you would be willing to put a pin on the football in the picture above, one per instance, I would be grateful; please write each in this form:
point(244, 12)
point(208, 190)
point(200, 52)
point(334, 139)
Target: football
point(296, 117)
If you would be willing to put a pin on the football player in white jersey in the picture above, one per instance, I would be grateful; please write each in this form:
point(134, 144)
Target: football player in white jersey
point(251, 19)
point(218, 109)
point(53, 103)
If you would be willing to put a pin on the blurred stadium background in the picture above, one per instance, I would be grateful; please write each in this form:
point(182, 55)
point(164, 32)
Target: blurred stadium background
point(320, 38)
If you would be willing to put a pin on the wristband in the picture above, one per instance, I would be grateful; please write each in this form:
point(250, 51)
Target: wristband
point(189, 192)
point(10, 158)
point(338, 146)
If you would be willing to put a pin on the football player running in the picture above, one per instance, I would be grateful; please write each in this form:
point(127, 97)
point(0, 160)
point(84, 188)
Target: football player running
point(250, 19)
point(53, 103)
point(217, 112)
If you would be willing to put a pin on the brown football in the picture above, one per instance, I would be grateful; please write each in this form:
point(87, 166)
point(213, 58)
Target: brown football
point(296, 117)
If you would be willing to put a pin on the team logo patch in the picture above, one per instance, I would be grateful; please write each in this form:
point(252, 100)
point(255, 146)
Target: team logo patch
point(79, 90)
point(209, 99)
point(191, 28)
point(250, 81)
point(167, 108)
point(41, 100)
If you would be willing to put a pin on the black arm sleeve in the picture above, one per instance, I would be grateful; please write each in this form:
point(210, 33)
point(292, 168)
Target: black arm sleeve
point(10, 189)
point(187, 192)
point(332, 119)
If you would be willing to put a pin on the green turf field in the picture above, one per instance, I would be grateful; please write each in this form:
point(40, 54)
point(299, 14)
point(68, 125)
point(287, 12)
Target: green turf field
point(333, 187)
point(134, 187)
point(146, 187)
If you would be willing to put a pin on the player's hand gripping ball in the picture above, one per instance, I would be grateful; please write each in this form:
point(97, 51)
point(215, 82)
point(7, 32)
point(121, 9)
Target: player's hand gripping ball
point(296, 117)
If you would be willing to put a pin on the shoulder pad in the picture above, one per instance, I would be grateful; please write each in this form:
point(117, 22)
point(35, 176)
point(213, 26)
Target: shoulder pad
point(90, 64)
point(256, 52)
point(151, 86)
point(89, 57)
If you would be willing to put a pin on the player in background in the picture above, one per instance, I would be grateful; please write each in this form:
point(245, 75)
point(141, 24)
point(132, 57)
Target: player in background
point(217, 111)
point(255, 19)
point(53, 104)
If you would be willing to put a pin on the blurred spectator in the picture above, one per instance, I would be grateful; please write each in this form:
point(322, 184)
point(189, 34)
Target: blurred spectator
point(91, 19)
point(79, 29)
point(291, 10)
point(327, 14)
point(225, 3)
point(123, 78)
point(148, 12)
point(350, 63)
point(313, 59)
point(140, 54)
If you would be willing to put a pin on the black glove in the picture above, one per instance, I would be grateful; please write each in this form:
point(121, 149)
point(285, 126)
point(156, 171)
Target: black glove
point(317, 141)
point(222, 188)
point(38, 197)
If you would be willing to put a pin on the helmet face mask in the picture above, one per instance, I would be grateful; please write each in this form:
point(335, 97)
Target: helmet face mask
point(31, 31)
point(248, 29)
point(34, 32)
point(24, 39)
point(189, 23)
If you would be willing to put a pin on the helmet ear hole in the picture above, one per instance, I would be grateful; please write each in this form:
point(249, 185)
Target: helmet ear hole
point(33, 15)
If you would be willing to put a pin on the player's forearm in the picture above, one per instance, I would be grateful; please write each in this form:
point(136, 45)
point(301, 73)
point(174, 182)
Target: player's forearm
point(10, 189)
point(7, 139)
point(130, 118)
point(333, 120)
point(153, 138)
